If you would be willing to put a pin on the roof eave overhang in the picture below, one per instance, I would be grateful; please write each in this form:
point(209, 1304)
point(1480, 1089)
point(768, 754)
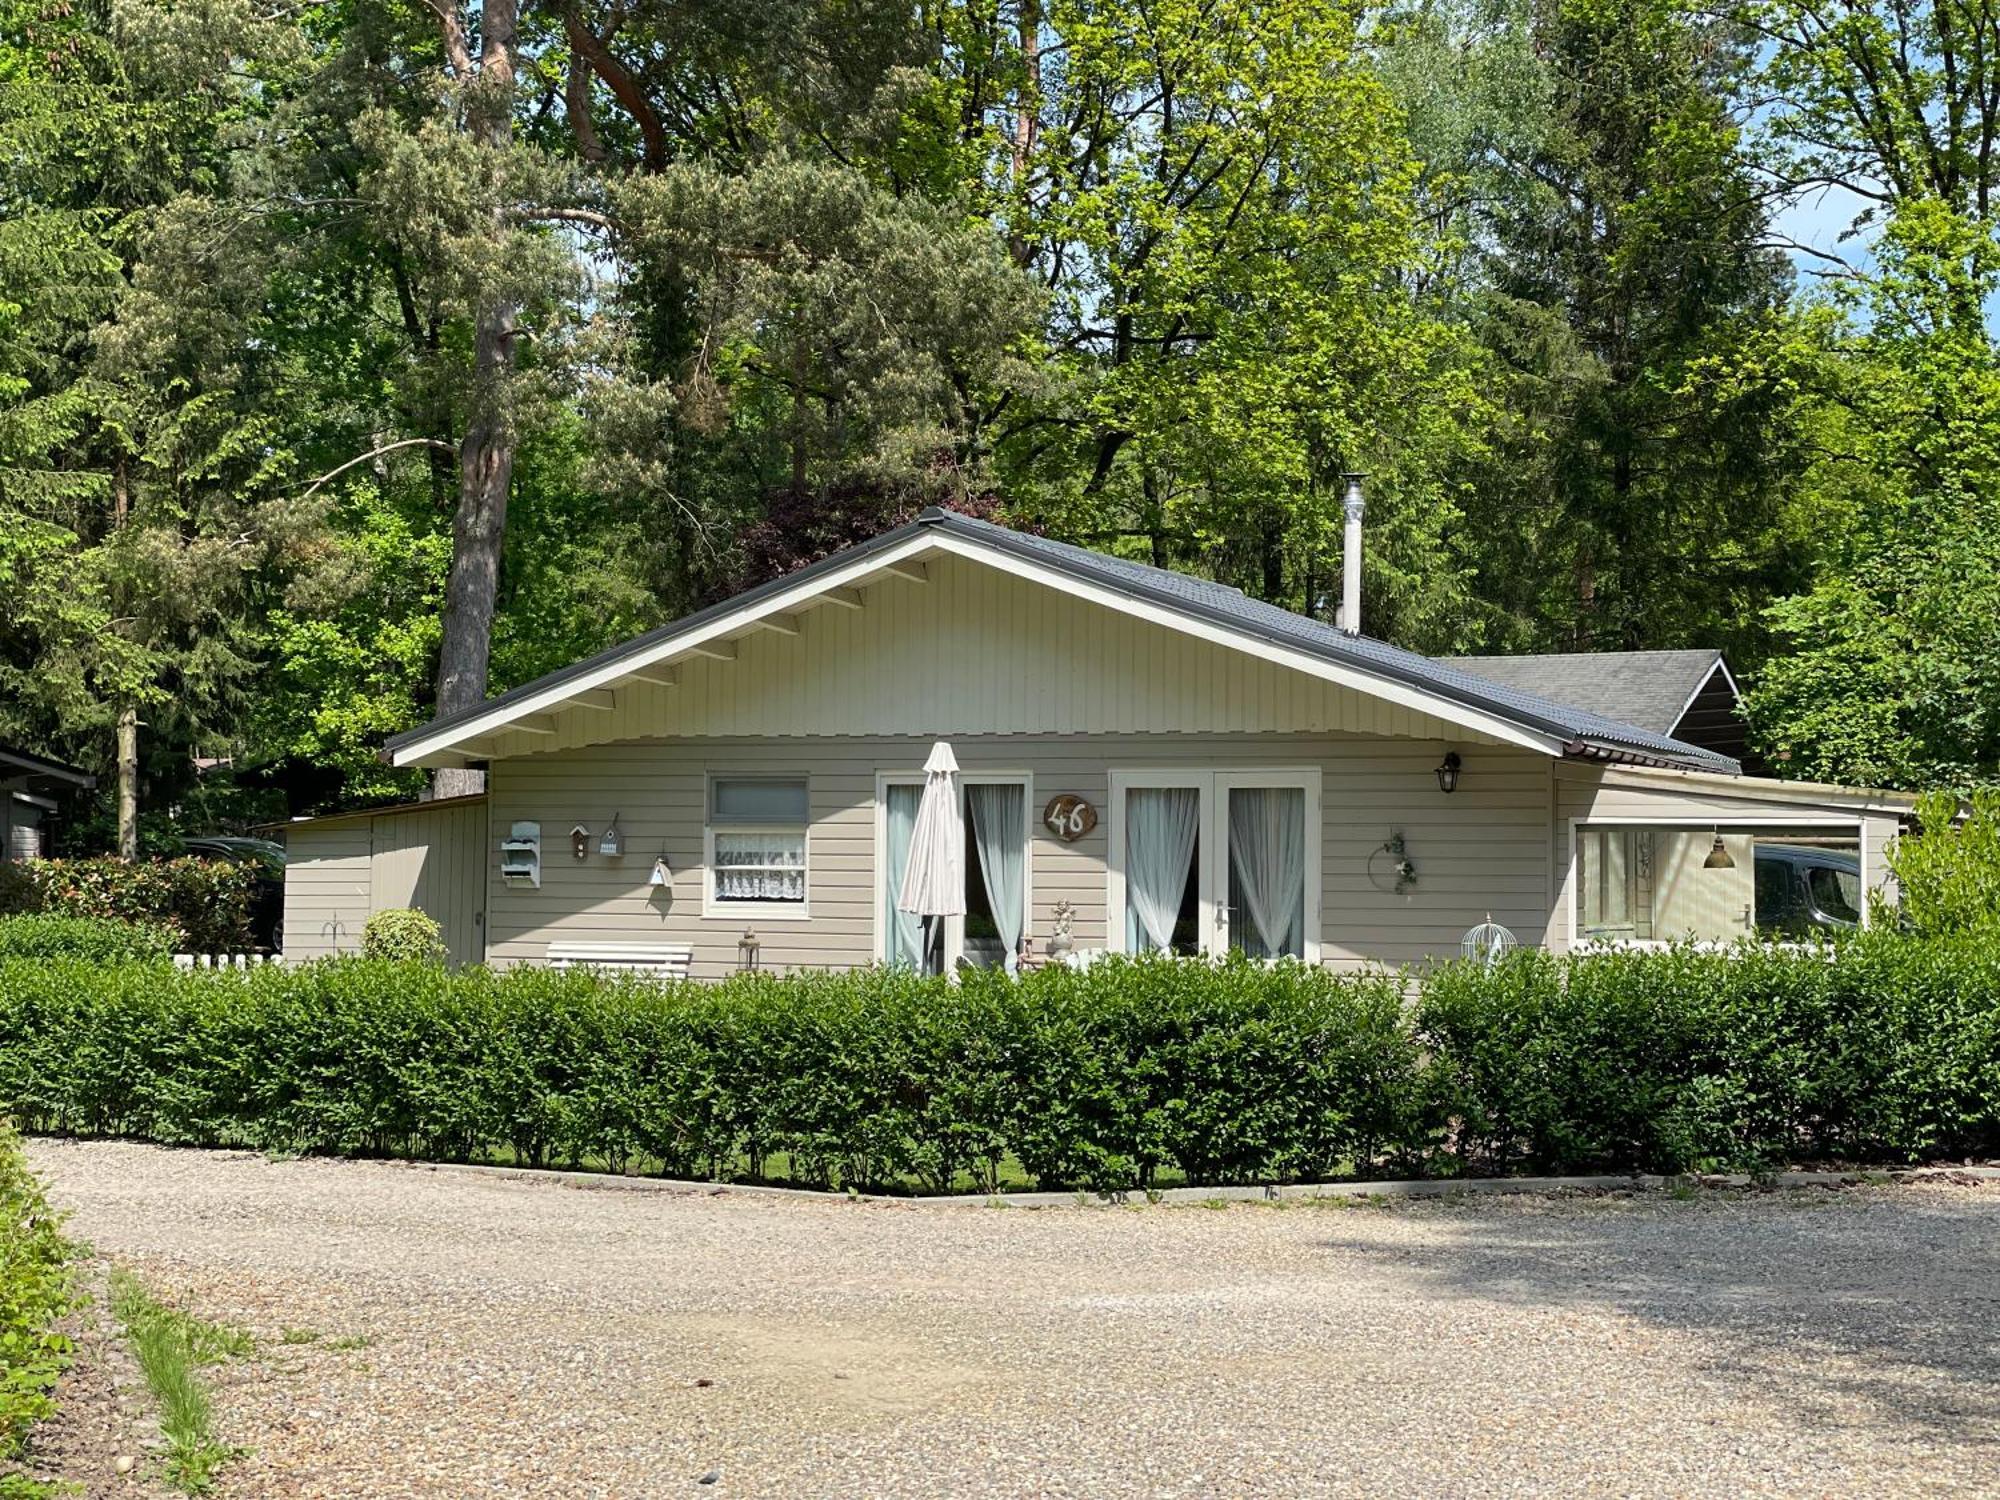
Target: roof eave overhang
point(454, 742)
point(1175, 615)
point(443, 743)
point(1623, 755)
point(1810, 793)
point(18, 764)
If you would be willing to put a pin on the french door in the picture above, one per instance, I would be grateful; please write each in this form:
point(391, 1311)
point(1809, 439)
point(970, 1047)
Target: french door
point(1206, 862)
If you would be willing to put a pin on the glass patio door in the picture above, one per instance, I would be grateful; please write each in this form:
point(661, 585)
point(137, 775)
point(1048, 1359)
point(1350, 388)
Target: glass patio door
point(1209, 862)
point(1261, 839)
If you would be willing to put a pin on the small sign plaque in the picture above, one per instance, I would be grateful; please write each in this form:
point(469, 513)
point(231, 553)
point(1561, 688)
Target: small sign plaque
point(1069, 817)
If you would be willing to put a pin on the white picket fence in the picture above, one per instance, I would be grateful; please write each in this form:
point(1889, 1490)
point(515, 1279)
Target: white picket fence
point(222, 960)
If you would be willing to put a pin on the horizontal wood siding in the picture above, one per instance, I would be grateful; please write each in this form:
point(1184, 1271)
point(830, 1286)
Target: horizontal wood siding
point(1483, 850)
point(1588, 792)
point(975, 651)
point(327, 888)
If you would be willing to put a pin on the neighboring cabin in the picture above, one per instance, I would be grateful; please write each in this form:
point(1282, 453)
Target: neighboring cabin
point(1690, 696)
point(1171, 763)
point(31, 791)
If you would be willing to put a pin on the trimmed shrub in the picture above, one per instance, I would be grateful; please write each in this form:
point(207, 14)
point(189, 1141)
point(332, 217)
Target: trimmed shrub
point(401, 934)
point(98, 939)
point(205, 901)
point(1116, 1077)
point(35, 1291)
point(1948, 871)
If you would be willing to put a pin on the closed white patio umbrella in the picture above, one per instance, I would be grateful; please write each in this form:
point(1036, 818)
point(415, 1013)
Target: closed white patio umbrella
point(934, 879)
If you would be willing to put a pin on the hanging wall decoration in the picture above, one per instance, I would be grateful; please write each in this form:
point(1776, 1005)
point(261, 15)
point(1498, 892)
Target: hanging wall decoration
point(1069, 817)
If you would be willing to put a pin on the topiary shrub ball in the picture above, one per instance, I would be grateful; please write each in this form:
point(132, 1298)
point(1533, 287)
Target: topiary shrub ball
point(404, 935)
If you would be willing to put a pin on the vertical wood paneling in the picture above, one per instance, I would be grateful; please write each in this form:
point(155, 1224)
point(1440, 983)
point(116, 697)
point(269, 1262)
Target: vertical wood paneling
point(977, 651)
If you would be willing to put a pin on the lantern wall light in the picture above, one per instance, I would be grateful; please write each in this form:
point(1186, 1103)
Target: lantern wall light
point(1447, 772)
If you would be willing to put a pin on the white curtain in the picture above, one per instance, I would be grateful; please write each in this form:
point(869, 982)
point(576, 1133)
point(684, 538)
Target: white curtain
point(999, 819)
point(902, 931)
point(1267, 862)
point(1160, 825)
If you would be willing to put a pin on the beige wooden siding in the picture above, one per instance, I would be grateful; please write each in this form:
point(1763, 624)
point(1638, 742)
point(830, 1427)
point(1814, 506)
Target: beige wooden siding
point(976, 651)
point(341, 871)
point(1584, 792)
point(327, 888)
point(435, 861)
point(1482, 850)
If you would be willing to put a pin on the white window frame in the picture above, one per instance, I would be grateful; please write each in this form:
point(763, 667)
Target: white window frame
point(722, 907)
point(1683, 823)
point(1213, 784)
point(954, 927)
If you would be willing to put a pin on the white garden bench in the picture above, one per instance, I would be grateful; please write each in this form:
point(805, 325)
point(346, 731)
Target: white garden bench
point(661, 960)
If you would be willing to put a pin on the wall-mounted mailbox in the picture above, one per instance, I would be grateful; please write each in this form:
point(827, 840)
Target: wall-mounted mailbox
point(521, 856)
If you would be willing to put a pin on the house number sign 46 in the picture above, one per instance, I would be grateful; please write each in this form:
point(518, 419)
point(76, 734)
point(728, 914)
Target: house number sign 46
point(1069, 817)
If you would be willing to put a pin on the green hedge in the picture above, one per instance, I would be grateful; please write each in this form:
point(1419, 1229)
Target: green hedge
point(98, 939)
point(205, 901)
point(35, 1291)
point(1114, 1077)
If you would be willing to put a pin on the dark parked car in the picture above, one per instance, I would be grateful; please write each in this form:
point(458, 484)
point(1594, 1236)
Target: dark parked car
point(267, 903)
point(1803, 891)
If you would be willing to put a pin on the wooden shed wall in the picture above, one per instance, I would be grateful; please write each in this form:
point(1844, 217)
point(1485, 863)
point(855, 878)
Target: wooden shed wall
point(340, 871)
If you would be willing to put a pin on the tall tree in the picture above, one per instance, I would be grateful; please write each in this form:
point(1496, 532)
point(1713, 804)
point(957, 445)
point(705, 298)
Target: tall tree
point(1616, 263)
point(1892, 676)
point(1218, 199)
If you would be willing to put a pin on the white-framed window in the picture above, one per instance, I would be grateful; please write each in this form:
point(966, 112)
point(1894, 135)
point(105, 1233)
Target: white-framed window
point(996, 812)
point(756, 845)
point(1203, 862)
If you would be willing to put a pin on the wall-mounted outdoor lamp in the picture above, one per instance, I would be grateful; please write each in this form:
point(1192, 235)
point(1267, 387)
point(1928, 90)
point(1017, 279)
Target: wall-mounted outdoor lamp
point(1718, 855)
point(1447, 772)
point(611, 845)
point(746, 951)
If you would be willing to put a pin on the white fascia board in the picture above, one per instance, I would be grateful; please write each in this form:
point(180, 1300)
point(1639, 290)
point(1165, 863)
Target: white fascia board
point(779, 601)
point(1757, 788)
point(1402, 694)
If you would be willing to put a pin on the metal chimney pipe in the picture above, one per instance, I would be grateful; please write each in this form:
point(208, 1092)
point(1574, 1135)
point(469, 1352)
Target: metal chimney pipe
point(1350, 562)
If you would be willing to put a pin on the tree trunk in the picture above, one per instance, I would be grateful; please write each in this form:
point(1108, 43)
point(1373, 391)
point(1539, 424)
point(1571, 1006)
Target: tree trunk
point(128, 783)
point(1027, 112)
point(486, 454)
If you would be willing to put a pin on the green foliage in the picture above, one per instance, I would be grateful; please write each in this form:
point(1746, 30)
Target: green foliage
point(1612, 257)
point(172, 1347)
point(94, 939)
point(204, 902)
point(1147, 274)
point(1948, 871)
point(1108, 1078)
point(35, 1291)
point(403, 935)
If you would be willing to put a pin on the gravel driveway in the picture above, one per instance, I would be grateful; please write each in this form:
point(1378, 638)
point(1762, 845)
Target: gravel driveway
point(525, 1339)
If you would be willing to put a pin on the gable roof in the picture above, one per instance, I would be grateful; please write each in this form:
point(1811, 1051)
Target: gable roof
point(1648, 689)
point(1177, 600)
